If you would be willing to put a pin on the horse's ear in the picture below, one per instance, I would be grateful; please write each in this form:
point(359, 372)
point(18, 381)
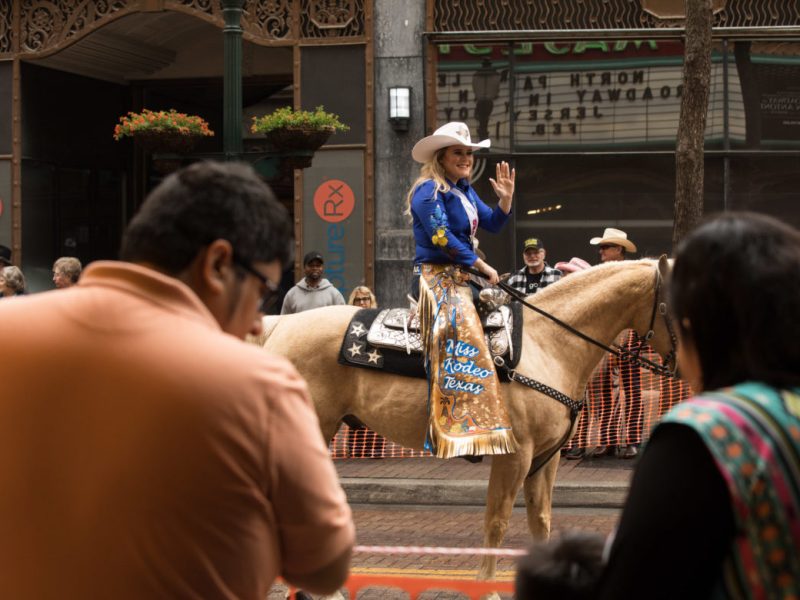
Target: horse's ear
point(664, 265)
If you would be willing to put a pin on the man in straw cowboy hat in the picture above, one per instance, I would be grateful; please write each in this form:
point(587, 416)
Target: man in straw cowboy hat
point(613, 245)
point(446, 212)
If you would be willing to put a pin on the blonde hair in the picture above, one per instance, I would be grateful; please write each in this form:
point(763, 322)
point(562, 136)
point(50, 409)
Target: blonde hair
point(373, 301)
point(431, 169)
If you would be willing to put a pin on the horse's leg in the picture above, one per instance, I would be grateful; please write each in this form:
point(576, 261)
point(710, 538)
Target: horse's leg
point(539, 499)
point(505, 480)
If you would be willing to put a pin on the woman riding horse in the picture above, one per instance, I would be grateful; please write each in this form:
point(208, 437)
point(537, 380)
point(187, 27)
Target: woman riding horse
point(467, 414)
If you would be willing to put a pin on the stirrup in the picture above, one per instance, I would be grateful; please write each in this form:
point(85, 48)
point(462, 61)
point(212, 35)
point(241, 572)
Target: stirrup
point(412, 306)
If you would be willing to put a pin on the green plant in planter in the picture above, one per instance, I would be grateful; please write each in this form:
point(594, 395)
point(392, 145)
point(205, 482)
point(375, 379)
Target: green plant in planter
point(307, 120)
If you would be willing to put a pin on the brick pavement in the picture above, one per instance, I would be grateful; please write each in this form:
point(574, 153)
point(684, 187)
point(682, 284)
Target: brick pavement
point(461, 528)
point(400, 525)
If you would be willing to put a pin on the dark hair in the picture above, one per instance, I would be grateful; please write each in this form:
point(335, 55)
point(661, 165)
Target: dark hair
point(565, 569)
point(201, 203)
point(736, 279)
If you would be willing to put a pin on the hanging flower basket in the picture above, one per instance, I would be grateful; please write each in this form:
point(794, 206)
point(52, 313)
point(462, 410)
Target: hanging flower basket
point(290, 130)
point(295, 139)
point(163, 142)
point(166, 132)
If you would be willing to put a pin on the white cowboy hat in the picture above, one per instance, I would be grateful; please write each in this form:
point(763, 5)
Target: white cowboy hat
point(614, 236)
point(451, 134)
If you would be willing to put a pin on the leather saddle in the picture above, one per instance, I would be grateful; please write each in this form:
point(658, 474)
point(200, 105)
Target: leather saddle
point(398, 328)
point(389, 339)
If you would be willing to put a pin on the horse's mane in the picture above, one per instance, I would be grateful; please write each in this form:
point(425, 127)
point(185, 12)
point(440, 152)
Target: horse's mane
point(571, 291)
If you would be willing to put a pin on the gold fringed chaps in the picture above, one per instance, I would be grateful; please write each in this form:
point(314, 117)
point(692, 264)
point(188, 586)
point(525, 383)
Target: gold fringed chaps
point(467, 415)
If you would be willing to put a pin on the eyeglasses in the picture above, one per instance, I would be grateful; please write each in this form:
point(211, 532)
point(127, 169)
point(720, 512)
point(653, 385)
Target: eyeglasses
point(269, 297)
point(359, 300)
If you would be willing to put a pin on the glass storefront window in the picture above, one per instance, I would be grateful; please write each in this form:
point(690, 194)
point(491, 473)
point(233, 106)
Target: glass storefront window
point(766, 185)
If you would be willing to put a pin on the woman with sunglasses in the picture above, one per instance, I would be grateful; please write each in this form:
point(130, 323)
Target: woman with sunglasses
point(362, 297)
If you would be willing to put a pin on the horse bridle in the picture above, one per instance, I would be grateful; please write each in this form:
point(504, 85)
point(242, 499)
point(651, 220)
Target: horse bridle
point(669, 366)
point(667, 369)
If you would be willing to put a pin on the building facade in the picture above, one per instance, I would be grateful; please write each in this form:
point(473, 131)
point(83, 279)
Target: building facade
point(583, 97)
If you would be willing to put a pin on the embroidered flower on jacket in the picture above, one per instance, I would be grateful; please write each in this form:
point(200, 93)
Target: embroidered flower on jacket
point(439, 226)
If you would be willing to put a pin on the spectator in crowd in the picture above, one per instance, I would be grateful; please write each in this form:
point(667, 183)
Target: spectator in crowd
point(12, 281)
point(566, 570)
point(5, 256)
point(614, 245)
point(361, 441)
point(146, 451)
point(536, 274)
point(574, 265)
point(313, 291)
point(713, 509)
point(362, 297)
point(66, 271)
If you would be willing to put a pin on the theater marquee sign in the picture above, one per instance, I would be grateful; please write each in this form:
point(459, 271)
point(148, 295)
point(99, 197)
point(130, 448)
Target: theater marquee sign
point(549, 96)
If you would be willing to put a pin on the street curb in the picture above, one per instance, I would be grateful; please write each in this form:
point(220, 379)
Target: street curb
point(377, 490)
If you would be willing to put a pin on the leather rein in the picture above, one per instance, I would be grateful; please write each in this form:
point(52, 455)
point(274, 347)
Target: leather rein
point(667, 369)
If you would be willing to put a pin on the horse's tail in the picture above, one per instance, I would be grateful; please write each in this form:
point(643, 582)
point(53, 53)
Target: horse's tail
point(268, 324)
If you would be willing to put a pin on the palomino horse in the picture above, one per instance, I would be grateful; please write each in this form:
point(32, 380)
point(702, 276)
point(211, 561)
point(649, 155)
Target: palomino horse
point(600, 302)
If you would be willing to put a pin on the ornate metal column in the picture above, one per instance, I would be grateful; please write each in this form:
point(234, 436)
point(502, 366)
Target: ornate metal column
point(232, 100)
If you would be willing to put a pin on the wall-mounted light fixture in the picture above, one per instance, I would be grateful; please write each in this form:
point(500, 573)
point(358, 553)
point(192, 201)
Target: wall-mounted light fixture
point(399, 107)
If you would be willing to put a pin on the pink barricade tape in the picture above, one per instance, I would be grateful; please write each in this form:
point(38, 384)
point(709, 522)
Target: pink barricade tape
point(439, 550)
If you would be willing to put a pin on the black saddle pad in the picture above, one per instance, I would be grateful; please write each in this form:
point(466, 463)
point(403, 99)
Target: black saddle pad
point(357, 352)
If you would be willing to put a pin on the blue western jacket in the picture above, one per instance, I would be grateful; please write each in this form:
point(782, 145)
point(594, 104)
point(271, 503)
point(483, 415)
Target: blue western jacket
point(434, 211)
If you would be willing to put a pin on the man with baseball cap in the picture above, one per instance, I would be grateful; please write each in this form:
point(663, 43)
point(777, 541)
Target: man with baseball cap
point(313, 291)
point(536, 273)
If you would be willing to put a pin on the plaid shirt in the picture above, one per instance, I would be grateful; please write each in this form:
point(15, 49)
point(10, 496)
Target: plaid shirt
point(518, 280)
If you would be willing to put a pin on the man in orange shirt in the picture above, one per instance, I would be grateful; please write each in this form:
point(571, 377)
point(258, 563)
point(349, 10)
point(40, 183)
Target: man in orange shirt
point(146, 451)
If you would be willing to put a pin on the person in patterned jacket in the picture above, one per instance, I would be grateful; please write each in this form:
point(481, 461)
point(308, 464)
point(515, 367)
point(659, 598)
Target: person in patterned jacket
point(713, 509)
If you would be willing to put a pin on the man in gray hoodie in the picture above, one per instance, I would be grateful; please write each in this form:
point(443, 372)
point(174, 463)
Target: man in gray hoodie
point(313, 291)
